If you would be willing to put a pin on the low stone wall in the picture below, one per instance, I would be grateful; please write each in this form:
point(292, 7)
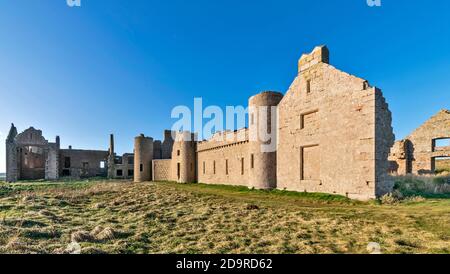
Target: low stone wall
point(161, 170)
point(226, 165)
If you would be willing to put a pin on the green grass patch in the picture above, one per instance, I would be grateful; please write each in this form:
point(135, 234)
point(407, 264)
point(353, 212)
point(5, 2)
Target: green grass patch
point(275, 193)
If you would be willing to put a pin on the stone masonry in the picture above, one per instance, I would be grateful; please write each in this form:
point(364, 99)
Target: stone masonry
point(334, 136)
point(334, 132)
point(418, 153)
point(29, 156)
point(331, 133)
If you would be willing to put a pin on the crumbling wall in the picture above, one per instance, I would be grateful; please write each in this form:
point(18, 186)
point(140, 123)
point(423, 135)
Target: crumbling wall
point(30, 156)
point(52, 162)
point(384, 139)
point(417, 153)
point(157, 150)
point(12, 170)
point(125, 168)
point(400, 158)
point(83, 163)
point(167, 145)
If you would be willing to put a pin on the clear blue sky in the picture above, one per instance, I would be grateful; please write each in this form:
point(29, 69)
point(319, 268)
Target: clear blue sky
point(121, 66)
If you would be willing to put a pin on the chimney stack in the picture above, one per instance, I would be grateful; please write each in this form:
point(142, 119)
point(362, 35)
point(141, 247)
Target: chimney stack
point(111, 144)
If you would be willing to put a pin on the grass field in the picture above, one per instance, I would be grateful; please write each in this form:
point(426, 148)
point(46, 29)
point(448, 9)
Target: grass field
point(121, 217)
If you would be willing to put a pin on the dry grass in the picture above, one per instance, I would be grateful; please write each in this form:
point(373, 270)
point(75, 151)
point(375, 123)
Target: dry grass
point(443, 166)
point(119, 217)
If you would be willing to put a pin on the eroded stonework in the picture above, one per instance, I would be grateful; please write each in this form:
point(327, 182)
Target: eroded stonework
point(29, 156)
point(418, 153)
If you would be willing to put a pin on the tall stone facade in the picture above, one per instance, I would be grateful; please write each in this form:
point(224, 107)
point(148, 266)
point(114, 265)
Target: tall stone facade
point(333, 135)
point(418, 153)
point(29, 156)
point(334, 132)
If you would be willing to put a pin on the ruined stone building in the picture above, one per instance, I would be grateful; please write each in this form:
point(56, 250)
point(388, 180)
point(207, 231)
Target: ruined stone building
point(119, 167)
point(334, 136)
point(421, 150)
point(29, 156)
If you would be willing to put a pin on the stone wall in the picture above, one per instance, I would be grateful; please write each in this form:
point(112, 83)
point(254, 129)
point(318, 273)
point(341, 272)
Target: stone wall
point(12, 172)
point(422, 140)
point(384, 140)
point(161, 170)
point(418, 152)
point(399, 160)
point(184, 158)
point(328, 131)
point(225, 159)
point(83, 163)
point(123, 167)
point(31, 157)
point(52, 162)
point(167, 145)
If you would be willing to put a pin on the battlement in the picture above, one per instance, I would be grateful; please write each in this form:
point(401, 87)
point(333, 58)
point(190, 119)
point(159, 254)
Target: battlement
point(320, 54)
point(223, 139)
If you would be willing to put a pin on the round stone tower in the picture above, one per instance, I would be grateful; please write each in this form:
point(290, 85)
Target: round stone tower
point(184, 158)
point(143, 156)
point(263, 142)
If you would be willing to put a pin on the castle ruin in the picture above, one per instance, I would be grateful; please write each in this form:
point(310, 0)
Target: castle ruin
point(29, 156)
point(333, 135)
